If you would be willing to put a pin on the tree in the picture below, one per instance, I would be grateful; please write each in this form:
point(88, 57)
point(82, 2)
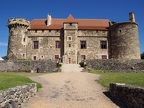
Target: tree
point(142, 55)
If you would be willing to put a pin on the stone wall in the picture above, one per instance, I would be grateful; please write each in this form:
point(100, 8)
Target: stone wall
point(14, 97)
point(117, 65)
point(93, 47)
point(133, 97)
point(27, 66)
point(124, 42)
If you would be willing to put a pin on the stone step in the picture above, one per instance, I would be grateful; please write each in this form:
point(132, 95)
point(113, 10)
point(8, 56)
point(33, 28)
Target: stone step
point(71, 68)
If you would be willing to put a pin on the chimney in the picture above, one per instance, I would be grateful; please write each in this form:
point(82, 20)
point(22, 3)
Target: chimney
point(49, 20)
point(131, 17)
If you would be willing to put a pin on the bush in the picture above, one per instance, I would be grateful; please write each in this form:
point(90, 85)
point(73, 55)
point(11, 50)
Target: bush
point(59, 65)
point(142, 55)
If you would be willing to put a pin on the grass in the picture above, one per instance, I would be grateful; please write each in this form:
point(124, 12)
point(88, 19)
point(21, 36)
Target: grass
point(135, 79)
point(11, 79)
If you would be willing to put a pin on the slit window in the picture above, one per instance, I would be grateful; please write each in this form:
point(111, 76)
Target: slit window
point(57, 44)
point(23, 39)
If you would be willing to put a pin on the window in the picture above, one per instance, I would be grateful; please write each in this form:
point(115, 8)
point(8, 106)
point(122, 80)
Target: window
point(34, 57)
point(57, 44)
point(36, 44)
point(23, 55)
point(69, 45)
point(83, 57)
point(23, 39)
point(83, 44)
point(104, 56)
point(35, 31)
point(69, 38)
point(56, 56)
point(103, 45)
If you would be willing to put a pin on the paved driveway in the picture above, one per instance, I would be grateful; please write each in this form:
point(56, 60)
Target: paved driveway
point(70, 90)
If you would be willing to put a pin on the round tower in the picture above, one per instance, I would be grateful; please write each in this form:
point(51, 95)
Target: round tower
point(124, 40)
point(17, 38)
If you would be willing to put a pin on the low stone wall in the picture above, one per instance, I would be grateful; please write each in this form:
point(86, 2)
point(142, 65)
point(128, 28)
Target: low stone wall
point(27, 65)
point(132, 96)
point(13, 97)
point(117, 65)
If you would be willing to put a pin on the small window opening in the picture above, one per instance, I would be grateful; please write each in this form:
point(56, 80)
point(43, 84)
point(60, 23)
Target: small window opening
point(35, 31)
point(34, 57)
point(104, 56)
point(23, 39)
point(56, 56)
point(49, 30)
point(23, 55)
point(69, 45)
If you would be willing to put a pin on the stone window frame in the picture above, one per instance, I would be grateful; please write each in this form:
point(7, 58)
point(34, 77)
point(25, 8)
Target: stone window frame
point(69, 38)
point(57, 56)
point(34, 57)
point(83, 57)
point(36, 44)
point(57, 44)
point(103, 44)
point(104, 57)
point(83, 44)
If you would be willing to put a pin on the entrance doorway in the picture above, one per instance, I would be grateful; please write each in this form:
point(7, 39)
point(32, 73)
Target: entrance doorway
point(69, 60)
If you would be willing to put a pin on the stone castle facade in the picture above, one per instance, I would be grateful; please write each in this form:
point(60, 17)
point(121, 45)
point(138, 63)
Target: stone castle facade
point(72, 39)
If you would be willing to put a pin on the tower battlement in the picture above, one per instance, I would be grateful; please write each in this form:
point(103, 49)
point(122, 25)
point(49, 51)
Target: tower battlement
point(18, 21)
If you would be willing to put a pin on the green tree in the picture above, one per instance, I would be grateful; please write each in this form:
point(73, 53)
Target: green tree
point(142, 55)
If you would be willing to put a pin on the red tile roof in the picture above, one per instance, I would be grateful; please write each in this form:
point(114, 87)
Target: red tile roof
point(82, 23)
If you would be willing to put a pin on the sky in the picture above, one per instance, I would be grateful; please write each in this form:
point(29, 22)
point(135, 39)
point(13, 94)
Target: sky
point(114, 10)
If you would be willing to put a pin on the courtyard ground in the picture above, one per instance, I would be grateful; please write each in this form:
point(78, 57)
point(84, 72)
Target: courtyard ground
point(70, 90)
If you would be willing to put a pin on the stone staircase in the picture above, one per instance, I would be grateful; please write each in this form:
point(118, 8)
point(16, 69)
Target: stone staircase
point(71, 68)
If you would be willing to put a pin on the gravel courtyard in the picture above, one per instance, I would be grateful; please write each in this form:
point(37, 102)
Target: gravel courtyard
point(70, 90)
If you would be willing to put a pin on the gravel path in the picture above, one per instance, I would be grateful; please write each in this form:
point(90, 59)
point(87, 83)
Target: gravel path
point(70, 90)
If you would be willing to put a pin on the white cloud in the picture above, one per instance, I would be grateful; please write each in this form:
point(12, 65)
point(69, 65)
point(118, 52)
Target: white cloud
point(3, 44)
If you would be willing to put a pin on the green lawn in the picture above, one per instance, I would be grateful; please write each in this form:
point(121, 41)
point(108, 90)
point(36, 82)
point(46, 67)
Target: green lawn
point(11, 79)
point(136, 79)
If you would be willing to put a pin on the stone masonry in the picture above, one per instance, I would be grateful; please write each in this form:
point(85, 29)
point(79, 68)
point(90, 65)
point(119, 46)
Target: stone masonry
point(14, 97)
point(132, 96)
point(72, 39)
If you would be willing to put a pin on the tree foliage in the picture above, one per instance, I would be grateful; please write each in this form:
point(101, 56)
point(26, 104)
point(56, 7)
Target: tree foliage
point(142, 55)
